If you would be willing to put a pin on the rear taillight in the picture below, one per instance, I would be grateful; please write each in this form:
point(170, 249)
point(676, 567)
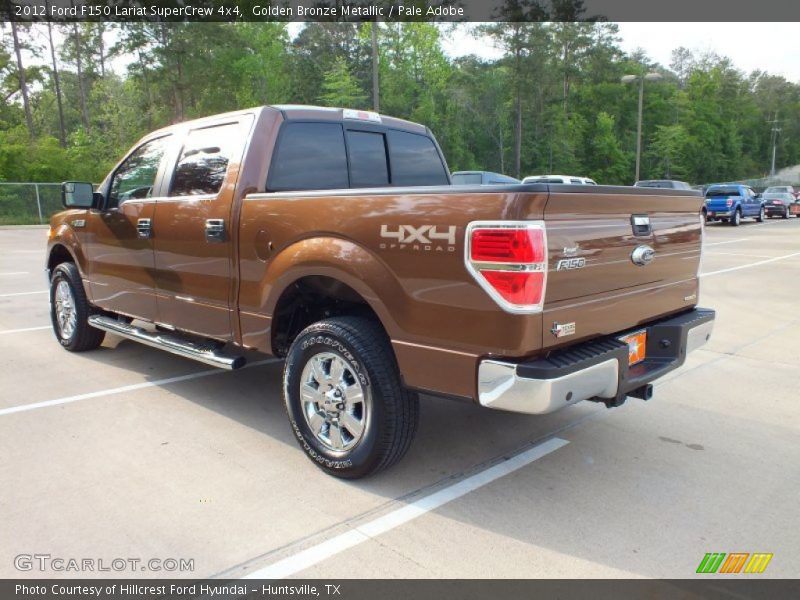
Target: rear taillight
point(729, 202)
point(777, 202)
point(509, 261)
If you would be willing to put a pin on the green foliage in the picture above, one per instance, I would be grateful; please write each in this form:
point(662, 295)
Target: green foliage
point(553, 102)
point(340, 89)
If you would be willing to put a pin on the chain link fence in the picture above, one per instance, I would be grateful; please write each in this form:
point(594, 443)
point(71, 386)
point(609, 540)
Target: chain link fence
point(28, 203)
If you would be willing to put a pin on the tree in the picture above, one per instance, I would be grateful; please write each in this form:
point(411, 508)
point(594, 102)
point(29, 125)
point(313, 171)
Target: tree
point(62, 131)
point(668, 149)
point(23, 84)
point(339, 88)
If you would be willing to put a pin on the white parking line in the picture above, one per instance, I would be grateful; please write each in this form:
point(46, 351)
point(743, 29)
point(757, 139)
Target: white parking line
point(14, 273)
point(316, 554)
point(748, 265)
point(718, 253)
point(24, 329)
point(726, 242)
point(125, 388)
point(23, 293)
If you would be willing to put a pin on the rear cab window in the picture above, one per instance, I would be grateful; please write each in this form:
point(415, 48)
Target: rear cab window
point(723, 191)
point(319, 155)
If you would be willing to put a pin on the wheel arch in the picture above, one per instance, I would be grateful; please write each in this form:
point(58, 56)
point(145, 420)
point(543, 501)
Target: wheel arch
point(321, 277)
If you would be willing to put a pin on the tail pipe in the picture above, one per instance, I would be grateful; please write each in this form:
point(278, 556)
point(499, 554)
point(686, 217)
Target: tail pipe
point(645, 392)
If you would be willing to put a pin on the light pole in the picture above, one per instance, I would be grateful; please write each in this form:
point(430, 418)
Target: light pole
point(775, 131)
point(641, 79)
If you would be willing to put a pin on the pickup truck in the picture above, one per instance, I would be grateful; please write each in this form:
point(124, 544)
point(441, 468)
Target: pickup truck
point(332, 238)
point(730, 203)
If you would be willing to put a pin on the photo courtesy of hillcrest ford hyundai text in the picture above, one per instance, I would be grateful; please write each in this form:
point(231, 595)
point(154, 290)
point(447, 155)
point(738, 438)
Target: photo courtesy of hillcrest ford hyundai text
point(333, 238)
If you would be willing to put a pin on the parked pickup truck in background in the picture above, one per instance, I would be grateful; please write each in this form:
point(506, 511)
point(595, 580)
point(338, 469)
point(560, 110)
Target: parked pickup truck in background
point(333, 238)
point(731, 203)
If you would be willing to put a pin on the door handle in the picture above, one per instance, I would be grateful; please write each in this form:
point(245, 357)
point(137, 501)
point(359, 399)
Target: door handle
point(144, 228)
point(215, 230)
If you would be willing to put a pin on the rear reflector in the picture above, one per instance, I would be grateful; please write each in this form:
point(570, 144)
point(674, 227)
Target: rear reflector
point(509, 261)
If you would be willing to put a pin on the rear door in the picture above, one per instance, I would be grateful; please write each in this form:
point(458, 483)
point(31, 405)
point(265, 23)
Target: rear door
point(192, 229)
point(618, 259)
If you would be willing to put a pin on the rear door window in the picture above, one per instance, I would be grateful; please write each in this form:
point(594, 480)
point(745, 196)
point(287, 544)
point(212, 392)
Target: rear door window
point(415, 160)
point(203, 162)
point(309, 156)
point(368, 166)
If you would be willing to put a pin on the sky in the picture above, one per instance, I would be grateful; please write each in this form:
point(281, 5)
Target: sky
point(771, 47)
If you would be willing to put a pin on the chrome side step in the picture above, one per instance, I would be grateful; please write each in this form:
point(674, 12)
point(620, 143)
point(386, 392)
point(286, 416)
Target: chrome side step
point(171, 342)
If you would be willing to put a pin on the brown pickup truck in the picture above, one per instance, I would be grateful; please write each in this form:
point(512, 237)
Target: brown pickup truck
point(334, 238)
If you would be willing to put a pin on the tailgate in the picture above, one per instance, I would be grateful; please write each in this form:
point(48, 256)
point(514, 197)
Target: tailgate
point(603, 275)
point(721, 203)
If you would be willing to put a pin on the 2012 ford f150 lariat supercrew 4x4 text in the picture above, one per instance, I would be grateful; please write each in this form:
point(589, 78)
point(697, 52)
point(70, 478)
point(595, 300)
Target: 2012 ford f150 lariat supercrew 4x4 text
point(334, 239)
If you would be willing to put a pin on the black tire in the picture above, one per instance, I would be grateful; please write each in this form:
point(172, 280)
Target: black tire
point(736, 219)
point(82, 337)
point(389, 411)
point(786, 213)
point(761, 215)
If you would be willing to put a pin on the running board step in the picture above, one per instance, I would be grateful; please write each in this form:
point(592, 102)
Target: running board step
point(171, 342)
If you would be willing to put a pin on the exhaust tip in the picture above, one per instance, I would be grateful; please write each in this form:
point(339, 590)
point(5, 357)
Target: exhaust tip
point(645, 392)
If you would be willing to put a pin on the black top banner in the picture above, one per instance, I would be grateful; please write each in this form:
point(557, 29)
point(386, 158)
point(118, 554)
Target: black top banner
point(710, 11)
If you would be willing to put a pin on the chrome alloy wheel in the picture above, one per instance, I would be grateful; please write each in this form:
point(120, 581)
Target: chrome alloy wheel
point(334, 403)
point(66, 315)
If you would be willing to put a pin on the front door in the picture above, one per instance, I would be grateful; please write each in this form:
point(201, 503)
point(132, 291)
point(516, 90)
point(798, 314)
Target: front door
point(193, 230)
point(120, 246)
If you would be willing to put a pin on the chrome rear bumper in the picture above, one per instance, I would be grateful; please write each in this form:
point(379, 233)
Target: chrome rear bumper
point(596, 370)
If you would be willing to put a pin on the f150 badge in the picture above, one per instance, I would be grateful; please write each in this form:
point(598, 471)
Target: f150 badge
point(426, 238)
point(566, 264)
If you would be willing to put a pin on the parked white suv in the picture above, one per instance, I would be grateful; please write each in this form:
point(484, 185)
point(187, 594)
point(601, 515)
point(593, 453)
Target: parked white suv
point(565, 179)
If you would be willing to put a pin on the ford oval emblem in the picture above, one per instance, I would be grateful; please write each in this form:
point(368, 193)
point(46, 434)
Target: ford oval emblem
point(642, 255)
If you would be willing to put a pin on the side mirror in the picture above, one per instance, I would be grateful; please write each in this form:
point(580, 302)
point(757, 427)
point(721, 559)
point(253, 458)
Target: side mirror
point(77, 194)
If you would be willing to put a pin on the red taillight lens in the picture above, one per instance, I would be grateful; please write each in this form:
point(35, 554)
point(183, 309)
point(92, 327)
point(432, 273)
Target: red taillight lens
point(508, 245)
point(777, 202)
point(729, 203)
point(520, 288)
point(509, 260)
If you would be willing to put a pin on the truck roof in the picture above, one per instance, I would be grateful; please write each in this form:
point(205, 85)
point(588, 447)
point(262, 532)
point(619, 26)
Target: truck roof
point(302, 112)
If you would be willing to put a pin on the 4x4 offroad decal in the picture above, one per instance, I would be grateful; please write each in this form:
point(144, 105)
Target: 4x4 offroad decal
point(428, 238)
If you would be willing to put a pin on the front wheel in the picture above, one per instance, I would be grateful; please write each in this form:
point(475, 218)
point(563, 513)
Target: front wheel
point(70, 310)
point(736, 219)
point(345, 400)
point(785, 213)
point(761, 215)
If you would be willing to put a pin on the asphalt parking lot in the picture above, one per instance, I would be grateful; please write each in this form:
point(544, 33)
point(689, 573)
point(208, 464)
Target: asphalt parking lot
point(129, 452)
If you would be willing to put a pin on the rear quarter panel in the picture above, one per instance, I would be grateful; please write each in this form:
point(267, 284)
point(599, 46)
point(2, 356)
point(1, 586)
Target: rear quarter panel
point(439, 319)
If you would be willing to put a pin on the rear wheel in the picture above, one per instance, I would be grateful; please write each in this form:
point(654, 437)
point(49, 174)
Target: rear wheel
point(70, 310)
point(345, 400)
point(786, 213)
point(736, 219)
